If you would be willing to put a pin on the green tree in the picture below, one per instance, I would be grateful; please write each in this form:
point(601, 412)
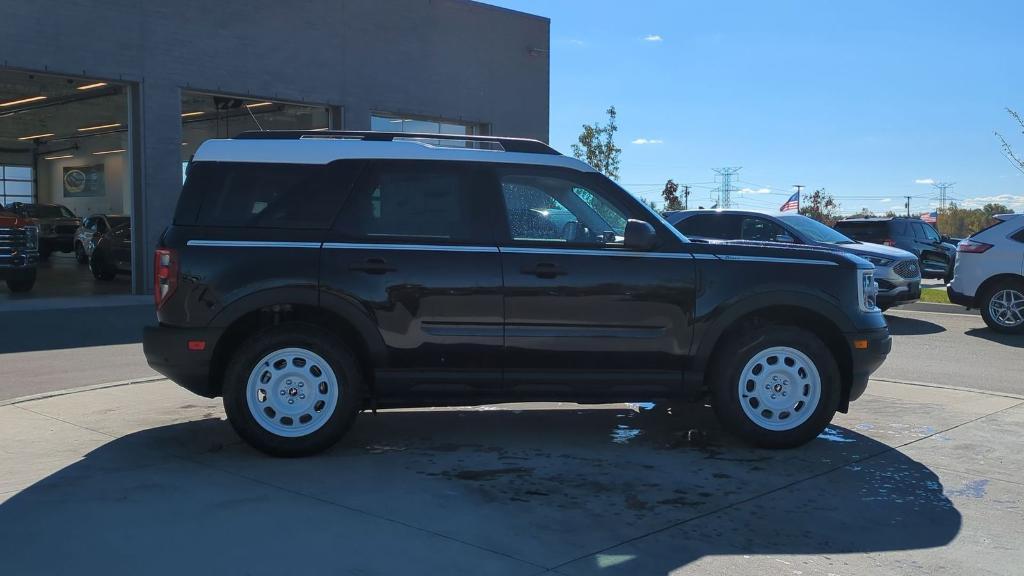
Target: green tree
point(820, 206)
point(597, 146)
point(671, 196)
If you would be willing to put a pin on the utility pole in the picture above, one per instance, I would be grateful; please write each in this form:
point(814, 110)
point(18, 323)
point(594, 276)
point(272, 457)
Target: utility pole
point(943, 187)
point(908, 205)
point(725, 190)
point(686, 196)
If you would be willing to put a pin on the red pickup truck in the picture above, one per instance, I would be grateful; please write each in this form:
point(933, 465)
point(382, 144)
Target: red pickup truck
point(19, 251)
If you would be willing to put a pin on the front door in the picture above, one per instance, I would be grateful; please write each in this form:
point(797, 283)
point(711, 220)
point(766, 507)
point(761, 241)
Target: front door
point(584, 316)
point(414, 249)
point(934, 259)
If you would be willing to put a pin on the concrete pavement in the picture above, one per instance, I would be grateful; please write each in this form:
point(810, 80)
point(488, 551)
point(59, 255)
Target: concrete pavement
point(150, 479)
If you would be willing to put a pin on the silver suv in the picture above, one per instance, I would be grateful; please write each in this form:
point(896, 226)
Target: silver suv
point(897, 272)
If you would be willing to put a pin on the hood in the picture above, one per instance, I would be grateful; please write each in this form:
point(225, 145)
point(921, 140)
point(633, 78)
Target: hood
point(879, 250)
point(11, 220)
point(787, 250)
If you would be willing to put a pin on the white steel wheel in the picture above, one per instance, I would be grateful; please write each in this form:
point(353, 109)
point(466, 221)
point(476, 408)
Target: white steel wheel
point(292, 392)
point(1006, 308)
point(779, 388)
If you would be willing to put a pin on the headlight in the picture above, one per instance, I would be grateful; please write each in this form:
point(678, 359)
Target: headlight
point(867, 291)
point(878, 261)
point(31, 238)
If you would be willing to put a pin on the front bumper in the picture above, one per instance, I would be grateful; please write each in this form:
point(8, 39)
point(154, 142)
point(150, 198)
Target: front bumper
point(893, 288)
point(865, 360)
point(167, 352)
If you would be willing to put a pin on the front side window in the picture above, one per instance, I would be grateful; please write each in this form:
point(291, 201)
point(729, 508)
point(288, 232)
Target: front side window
point(418, 202)
point(760, 229)
point(549, 208)
point(930, 233)
point(710, 226)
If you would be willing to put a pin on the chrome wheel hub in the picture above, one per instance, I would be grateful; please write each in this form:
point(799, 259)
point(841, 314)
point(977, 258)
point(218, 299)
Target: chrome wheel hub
point(292, 392)
point(1007, 308)
point(779, 388)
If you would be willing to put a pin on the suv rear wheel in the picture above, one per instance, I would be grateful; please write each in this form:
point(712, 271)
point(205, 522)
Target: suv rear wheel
point(292, 390)
point(776, 386)
point(1002, 307)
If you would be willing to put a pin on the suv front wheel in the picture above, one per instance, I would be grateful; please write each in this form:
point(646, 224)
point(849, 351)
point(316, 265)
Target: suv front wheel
point(776, 386)
point(292, 390)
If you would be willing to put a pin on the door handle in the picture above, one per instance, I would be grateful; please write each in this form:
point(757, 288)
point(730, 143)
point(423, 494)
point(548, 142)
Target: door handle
point(544, 270)
point(373, 266)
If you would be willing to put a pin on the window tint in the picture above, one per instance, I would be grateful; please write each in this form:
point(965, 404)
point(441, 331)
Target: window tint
point(713, 226)
point(1019, 236)
point(419, 201)
point(542, 207)
point(864, 230)
point(918, 229)
point(101, 226)
point(930, 232)
point(760, 229)
point(899, 228)
point(265, 195)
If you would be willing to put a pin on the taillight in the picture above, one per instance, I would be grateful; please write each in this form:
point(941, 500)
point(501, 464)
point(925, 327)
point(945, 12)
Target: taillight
point(889, 242)
point(969, 246)
point(165, 272)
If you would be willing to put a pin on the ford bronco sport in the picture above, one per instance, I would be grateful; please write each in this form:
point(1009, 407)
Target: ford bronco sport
point(310, 275)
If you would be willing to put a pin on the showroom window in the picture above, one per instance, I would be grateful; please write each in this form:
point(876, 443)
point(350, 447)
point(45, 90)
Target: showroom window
point(15, 184)
point(395, 123)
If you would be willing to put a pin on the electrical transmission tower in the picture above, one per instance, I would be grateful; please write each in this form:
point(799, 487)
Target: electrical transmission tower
point(943, 187)
point(725, 190)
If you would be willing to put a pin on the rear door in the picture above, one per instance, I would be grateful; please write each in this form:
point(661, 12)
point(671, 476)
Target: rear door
point(584, 316)
point(413, 249)
point(933, 258)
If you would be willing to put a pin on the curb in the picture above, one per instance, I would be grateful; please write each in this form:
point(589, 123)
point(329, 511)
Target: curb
point(945, 387)
point(67, 391)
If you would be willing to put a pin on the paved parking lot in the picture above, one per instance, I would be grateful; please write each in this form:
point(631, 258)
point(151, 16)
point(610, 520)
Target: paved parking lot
point(149, 479)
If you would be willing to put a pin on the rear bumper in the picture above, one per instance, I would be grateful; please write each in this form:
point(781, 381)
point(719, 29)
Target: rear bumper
point(866, 360)
point(959, 297)
point(167, 352)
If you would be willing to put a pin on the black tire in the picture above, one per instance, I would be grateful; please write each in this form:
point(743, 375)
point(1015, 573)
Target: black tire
point(725, 380)
point(99, 267)
point(317, 340)
point(80, 254)
point(23, 281)
point(986, 299)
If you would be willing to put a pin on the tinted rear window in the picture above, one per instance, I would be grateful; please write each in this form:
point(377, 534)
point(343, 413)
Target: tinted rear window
point(264, 195)
point(863, 230)
point(715, 226)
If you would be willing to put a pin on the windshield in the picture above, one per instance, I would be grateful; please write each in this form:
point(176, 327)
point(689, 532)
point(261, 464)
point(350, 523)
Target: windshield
point(45, 211)
point(117, 221)
point(814, 230)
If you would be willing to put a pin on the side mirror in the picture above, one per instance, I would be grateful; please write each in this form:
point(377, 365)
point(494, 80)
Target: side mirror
point(640, 235)
point(785, 238)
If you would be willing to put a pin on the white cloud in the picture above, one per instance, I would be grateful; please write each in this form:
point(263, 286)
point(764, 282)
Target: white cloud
point(653, 38)
point(1016, 203)
point(647, 141)
point(755, 191)
point(575, 42)
point(885, 200)
point(924, 181)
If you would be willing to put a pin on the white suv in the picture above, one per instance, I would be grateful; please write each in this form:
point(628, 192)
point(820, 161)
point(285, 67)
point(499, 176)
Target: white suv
point(989, 274)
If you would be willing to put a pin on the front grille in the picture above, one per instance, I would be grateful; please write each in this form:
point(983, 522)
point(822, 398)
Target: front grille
point(13, 247)
point(907, 269)
point(66, 229)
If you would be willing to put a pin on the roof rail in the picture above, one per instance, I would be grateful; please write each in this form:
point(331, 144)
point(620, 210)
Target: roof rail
point(507, 144)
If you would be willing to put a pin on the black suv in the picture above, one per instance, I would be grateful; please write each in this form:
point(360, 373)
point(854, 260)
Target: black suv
point(310, 275)
point(936, 253)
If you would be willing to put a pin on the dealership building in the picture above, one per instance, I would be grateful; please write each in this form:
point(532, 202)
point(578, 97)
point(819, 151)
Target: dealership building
point(102, 103)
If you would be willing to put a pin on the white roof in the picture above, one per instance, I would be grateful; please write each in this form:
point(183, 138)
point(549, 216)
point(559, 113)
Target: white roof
point(325, 150)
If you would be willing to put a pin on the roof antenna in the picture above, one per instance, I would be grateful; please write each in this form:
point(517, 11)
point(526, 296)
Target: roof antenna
point(254, 118)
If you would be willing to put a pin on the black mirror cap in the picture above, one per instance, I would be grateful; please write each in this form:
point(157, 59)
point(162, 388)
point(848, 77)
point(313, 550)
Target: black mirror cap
point(640, 235)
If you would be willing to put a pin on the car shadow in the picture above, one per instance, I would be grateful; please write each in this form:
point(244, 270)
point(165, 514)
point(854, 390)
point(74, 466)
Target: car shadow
point(1014, 340)
point(478, 486)
point(903, 326)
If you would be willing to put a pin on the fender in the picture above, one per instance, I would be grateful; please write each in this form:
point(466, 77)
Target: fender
point(711, 324)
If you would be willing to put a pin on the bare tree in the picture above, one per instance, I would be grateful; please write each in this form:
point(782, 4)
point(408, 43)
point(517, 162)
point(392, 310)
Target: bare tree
point(1017, 162)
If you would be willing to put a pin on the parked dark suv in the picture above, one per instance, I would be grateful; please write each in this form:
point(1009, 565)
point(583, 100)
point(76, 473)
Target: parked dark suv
point(936, 254)
point(310, 275)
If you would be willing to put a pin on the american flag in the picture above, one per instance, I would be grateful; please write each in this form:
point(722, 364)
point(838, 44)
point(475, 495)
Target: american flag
point(930, 217)
point(792, 204)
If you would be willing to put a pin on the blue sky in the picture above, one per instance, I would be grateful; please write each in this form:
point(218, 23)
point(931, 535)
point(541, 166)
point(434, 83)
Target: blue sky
point(867, 99)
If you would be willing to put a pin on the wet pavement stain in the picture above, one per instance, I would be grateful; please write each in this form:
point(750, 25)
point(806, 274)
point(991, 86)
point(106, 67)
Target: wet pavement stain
point(490, 474)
